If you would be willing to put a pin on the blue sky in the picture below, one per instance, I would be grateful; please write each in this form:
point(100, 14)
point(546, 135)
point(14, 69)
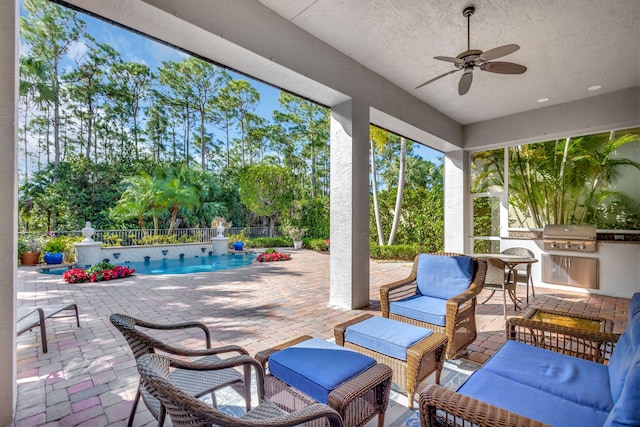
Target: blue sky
point(135, 48)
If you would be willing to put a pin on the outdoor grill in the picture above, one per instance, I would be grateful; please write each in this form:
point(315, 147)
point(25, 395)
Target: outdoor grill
point(579, 238)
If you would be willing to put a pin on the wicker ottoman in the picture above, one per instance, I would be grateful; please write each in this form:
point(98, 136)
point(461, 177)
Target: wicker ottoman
point(357, 400)
point(422, 358)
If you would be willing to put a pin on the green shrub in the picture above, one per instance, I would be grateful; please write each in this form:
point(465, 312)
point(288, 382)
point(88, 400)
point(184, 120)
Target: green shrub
point(112, 240)
point(240, 237)
point(315, 244)
point(96, 268)
point(394, 252)
point(268, 242)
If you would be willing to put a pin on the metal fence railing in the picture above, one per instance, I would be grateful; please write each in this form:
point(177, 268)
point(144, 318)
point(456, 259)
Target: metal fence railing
point(137, 236)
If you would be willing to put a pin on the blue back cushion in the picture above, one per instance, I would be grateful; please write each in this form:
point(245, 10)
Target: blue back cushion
point(624, 372)
point(442, 276)
point(386, 336)
point(316, 367)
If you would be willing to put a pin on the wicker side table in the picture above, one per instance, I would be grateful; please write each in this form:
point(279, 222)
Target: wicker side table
point(357, 400)
point(423, 358)
point(579, 335)
point(569, 320)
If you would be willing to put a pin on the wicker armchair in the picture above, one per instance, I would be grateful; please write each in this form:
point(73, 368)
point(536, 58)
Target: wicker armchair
point(440, 406)
point(195, 383)
point(186, 410)
point(460, 317)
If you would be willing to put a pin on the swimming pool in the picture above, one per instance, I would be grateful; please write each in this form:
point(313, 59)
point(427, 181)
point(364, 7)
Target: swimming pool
point(183, 265)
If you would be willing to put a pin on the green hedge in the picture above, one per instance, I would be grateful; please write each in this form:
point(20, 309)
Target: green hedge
point(395, 252)
point(315, 244)
point(269, 242)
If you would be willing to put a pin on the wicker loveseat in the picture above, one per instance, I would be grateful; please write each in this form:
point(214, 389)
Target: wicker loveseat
point(531, 385)
point(439, 294)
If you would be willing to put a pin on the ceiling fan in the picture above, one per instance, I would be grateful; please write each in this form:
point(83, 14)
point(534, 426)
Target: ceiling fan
point(472, 58)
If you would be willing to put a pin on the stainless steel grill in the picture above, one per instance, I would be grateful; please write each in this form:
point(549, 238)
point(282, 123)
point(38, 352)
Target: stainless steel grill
point(579, 238)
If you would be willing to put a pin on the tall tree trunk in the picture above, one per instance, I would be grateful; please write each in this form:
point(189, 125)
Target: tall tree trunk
point(203, 144)
point(374, 189)
point(174, 217)
point(155, 223)
point(56, 116)
point(228, 150)
point(560, 219)
point(401, 172)
point(26, 145)
point(314, 180)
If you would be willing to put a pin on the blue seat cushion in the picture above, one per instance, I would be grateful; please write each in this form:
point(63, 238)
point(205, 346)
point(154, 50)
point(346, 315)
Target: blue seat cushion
point(624, 372)
point(386, 336)
point(317, 367)
point(423, 308)
point(580, 381)
point(531, 402)
point(441, 276)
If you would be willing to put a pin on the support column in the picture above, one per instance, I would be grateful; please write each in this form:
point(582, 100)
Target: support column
point(349, 264)
point(458, 212)
point(8, 209)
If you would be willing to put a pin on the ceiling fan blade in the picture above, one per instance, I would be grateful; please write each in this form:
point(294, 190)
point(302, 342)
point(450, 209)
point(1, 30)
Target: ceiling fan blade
point(503, 67)
point(465, 81)
point(456, 61)
point(499, 52)
point(436, 78)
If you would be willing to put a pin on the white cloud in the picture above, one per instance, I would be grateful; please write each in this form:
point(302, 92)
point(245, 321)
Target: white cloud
point(77, 50)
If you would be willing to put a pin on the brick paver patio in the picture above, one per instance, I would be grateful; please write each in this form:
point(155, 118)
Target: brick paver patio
point(89, 378)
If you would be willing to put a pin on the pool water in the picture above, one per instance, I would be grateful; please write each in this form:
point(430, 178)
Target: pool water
point(182, 266)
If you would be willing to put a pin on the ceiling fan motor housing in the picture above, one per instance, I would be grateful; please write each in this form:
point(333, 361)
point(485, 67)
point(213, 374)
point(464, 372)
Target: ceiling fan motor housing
point(468, 11)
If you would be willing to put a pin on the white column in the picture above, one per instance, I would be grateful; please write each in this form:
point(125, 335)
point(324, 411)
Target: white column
point(220, 245)
point(88, 253)
point(8, 209)
point(349, 264)
point(458, 212)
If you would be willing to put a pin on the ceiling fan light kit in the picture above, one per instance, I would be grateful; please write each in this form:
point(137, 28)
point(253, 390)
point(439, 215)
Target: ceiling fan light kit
point(471, 58)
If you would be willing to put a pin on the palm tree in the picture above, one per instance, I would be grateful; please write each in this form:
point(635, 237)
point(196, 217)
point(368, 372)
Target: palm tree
point(562, 181)
point(177, 194)
point(139, 201)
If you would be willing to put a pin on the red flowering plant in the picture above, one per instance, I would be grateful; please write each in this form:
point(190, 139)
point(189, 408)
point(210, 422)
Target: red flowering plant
point(97, 273)
point(272, 255)
point(75, 275)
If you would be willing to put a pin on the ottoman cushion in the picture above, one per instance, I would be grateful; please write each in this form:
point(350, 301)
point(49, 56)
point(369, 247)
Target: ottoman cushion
point(317, 367)
point(386, 336)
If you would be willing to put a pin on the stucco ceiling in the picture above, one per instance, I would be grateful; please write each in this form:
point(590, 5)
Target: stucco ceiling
point(567, 46)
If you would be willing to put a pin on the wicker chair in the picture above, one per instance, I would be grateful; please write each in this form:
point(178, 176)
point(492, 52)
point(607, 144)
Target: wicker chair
point(186, 410)
point(497, 279)
point(523, 273)
point(460, 317)
point(195, 383)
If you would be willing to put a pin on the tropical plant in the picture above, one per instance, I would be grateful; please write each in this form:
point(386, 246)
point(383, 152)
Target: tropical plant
point(55, 244)
point(29, 244)
point(294, 232)
point(238, 237)
point(570, 181)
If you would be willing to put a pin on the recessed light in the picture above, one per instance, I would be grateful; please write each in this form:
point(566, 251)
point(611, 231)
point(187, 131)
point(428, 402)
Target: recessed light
point(595, 87)
point(543, 99)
